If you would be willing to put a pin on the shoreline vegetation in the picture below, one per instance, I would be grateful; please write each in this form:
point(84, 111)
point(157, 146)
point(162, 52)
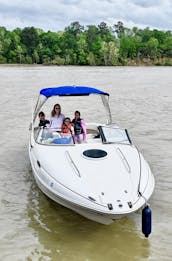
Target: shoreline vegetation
point(94, 45)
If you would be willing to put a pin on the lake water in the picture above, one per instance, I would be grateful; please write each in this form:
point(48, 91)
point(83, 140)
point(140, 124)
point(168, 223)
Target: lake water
point(32, 227)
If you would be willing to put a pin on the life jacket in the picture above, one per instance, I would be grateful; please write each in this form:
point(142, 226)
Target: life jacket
point(43, 123)
point(66, 128)
point(77, 126)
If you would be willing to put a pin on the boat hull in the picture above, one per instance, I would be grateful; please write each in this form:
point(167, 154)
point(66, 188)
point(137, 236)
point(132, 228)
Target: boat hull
point(95, 214)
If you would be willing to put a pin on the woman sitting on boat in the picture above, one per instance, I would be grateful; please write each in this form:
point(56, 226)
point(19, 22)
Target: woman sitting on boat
point(67, 127)
point(57, 117)
point(79, 128)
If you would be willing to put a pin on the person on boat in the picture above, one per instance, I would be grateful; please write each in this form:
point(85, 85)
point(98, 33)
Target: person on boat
point(79, 128)
point(42, 121)
point(57, 117)
point(67, 127)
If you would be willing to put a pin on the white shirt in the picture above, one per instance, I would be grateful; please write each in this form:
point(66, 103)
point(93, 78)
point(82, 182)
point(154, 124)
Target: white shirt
point(56, 121)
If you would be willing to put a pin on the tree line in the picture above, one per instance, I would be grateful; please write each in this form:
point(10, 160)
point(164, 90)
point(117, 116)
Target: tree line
point(93, 45)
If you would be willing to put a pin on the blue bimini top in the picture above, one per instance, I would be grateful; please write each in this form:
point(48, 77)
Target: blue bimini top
point(70, 91)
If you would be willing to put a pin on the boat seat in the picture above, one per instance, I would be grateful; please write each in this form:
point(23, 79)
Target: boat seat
point(91, 139)
point(92, 131)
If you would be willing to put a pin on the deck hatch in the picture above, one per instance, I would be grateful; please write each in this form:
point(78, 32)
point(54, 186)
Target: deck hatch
point(95, 153)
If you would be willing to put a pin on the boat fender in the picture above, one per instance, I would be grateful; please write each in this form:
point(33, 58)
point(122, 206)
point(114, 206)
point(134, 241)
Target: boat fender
point(146, 221)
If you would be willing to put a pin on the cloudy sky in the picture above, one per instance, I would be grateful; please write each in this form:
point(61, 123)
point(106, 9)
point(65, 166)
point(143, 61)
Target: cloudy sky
point(55, 15)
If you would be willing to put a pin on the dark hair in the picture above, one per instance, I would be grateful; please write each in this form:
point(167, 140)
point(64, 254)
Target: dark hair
point(78, 113)
point(67, 118)
point(41, 113)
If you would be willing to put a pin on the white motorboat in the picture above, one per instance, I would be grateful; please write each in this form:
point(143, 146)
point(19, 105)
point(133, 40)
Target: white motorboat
point(104, 178)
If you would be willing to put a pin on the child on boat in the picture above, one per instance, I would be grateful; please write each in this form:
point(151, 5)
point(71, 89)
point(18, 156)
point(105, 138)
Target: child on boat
point(67, 127)
point(42, 121)
point(79, 128)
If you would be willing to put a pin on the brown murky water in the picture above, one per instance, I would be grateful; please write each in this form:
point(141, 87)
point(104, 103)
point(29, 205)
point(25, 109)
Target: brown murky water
point(35, 228)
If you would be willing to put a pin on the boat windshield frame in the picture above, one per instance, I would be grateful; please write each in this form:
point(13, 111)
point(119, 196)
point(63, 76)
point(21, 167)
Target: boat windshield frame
point(82, 91)
point(52, 136)
point(113, 134)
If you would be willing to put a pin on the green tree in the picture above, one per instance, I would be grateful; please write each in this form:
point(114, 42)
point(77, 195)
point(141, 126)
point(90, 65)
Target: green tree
point(166, 46)
point(95, 45)
point(91, 59)
point(70, 41)
point(30, 38)
point(119, 29)
point(151, 48)
point(92, 34)
point(50, 45)
point(82, 49)
point(127, 48)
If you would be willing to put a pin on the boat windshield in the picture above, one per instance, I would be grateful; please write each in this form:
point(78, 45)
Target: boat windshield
point(114, 135)
point(53, 136)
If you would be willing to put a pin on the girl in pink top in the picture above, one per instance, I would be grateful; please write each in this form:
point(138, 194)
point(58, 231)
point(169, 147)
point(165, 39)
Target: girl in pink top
point(79, 128)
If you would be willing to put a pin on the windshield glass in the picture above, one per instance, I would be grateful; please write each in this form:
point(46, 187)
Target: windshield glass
point(114, 135)
point(53, 136)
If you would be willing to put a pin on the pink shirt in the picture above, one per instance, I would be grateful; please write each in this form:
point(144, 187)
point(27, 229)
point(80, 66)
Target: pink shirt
point(84, 129)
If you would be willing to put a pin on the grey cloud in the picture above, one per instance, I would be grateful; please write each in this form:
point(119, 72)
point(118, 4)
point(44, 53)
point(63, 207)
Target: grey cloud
point(70, 2)
point(56, 15)
point(146, 3)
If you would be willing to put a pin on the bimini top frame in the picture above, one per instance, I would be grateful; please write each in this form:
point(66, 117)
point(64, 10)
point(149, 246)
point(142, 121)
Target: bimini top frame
point(71, 91)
